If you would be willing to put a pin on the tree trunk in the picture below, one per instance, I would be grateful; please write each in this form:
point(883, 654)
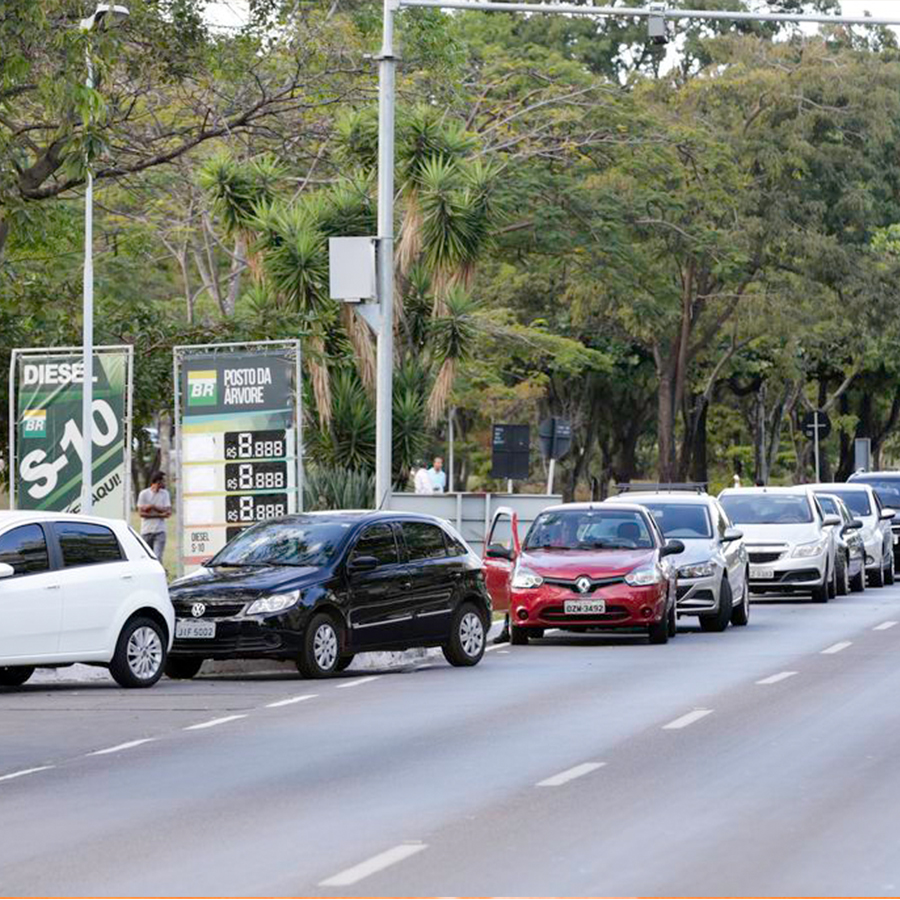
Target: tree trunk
point(699, 470)
point(666, 428)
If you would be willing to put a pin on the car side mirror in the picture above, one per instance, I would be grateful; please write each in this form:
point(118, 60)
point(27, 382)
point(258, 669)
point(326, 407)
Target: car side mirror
point(855, 525)
point(672, 548)
point(498, 551)
point(731, 534)
point(829, 521)
point(6, 570)
point(888, 513)
point(363, 564)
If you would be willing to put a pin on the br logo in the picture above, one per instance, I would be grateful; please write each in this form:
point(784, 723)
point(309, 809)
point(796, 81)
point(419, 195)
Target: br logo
point(203, 388)
point(34, 423)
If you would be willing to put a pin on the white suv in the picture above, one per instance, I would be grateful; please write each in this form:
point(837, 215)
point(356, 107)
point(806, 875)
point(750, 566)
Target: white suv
point(80, 589)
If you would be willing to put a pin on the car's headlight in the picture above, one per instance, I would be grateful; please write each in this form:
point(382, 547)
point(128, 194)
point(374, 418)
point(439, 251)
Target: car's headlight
point(813, 548)
point(644, 576)
point(525, 578)
point(697, 570)
point(273, 603)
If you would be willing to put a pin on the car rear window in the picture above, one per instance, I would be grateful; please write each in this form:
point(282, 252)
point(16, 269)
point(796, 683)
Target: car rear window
point(84, 544)
point(25, 549)
point(767, 509)
point(857, 501)
point(681, 520)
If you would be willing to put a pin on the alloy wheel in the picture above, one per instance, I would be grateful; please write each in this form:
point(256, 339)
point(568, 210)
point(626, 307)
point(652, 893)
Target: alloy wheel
point(325, 646)
point(471, 634)
point(144, 653)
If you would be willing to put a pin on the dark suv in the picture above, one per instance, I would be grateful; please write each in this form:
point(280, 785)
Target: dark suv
point(887, 488)
point(318, 588)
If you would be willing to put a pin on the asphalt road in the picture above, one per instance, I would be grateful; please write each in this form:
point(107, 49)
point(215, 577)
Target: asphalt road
point(762, 761)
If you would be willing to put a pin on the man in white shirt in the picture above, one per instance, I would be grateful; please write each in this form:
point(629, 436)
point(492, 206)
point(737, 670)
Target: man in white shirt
point(438, 476)
point(155, 506)
point(423, 481)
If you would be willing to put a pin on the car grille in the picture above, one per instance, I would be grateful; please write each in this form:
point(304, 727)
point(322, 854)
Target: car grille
point(212, 611)
point(558, 614)
point(595, 582)
point(760, 556)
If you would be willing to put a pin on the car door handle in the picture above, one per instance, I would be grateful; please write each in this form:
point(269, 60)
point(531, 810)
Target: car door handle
point(53, 587)
point(127, 577)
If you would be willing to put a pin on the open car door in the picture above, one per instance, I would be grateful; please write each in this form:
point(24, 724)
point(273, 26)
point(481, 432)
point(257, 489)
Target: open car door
point(502, 548)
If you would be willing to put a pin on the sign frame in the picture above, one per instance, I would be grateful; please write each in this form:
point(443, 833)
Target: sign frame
point(183, 352)
point(23, 353)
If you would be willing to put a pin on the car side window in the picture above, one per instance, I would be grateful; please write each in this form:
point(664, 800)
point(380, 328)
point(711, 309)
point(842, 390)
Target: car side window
point(455, 547)
point(502, 532)
point(25, 549)
point(84, 544)
point(424, 541)
point(378, 541)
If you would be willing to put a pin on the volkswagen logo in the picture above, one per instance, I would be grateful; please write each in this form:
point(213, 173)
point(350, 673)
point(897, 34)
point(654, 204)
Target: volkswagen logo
point(198, 609)
point(583, 584)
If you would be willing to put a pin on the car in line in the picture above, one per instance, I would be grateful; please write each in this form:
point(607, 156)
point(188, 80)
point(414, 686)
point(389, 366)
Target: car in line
point(80, 589)
point(318, 588)
point(850, 558)
point(887, 489)
point(713, 570)
point(587, 567)
point(790, 540)
point(863, 502)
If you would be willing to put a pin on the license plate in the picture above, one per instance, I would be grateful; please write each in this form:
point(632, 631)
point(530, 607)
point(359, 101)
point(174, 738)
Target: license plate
point(191, 628)
point(761, 572)
point(574, 607)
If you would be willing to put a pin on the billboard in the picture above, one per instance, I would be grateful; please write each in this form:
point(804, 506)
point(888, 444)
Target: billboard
point(46, 434)
point(238, 437)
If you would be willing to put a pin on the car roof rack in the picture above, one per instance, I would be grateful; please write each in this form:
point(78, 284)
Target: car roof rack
point(695, 487)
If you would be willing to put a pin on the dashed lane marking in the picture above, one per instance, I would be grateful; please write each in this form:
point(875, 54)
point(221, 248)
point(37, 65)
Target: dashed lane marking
point(884, 626)
point(836, 648)
point(213, 722)
point(374, 864)
point(365, 680)
point(687, 719)
point(126, 746)
point(291, 700)
point(774, 679)
point(25, 772)
point(570, 774)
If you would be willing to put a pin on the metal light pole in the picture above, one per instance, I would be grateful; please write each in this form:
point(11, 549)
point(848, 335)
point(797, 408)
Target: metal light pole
point(87, 341)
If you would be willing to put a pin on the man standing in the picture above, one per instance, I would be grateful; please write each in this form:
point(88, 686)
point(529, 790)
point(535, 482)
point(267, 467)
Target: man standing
point(423, 481)
point(438, 476)
point(155, 506)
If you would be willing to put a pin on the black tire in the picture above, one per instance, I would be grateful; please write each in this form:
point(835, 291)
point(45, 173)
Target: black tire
point(321, 649)
point(889, 570)
point(673, 620)
point(740, 615)
point(821, 593)
point(183, 666)
point(518, 637)
point(658, 632)
point(843, 575)
point(720, 619)
point(858, 581)
point(344, 661)
point(468, 637)
point(832, 585)
point(536, 633)
point(13, 676)
point(876, 579)
point(140, 657)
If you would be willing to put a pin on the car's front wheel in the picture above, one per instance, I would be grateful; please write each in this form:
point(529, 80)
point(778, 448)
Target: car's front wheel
point(140, 656)
point(843, 575)
point(740, 615)
point(658, 632)
point(467, 637)
point(13, 676)
point(858, 581)
point(518, 636)
point(183, 666)
point(889, 569)
point(877, 577)
point(821, 593)
point(321, 647)
point(719, 620)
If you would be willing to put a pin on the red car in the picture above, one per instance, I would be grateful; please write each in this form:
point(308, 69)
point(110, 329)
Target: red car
point(583, 566)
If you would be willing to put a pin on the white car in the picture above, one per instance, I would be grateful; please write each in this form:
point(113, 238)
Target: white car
point(789, 539)
point(78, 589)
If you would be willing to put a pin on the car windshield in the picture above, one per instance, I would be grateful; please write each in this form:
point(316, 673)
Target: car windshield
point(857, 501)
point(767, 509)
point(829, 506)
point(888, 490)
point(299, 542)
point(681, 520)
point(592, 529)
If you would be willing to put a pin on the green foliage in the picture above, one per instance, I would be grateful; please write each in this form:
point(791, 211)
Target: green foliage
point(331, 487)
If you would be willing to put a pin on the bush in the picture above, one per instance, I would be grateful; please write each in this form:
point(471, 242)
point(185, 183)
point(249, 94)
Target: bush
point(327, 487)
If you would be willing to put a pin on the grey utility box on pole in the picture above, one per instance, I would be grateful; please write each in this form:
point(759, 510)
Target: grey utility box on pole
point(351, 269)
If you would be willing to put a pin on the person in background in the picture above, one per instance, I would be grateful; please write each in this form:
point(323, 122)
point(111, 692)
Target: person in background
point(438, 476)
point(155, 506)
point(423, 481)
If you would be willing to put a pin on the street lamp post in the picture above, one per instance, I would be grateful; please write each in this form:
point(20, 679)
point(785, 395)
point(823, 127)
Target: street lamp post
point(102, 11)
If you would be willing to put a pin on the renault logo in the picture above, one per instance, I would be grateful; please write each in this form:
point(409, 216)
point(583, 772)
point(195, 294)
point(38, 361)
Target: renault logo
point(198, 609)
point(583, 584)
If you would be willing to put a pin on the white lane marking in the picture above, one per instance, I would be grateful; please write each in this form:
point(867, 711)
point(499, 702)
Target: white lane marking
point(504, 651)
point(495, 647)
point(213, 722)
point(774, 679)
point(373, 865)
point(570, 774)
point(25, 772)
point(118, 747)
point(884, 626)
point(365, 680)
point(291, 700)
point(836, 648)
point(688, 719)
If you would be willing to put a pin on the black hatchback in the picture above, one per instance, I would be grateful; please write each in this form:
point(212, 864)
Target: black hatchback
point(317, 588)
